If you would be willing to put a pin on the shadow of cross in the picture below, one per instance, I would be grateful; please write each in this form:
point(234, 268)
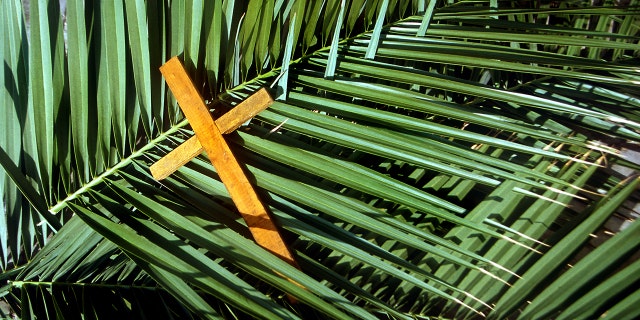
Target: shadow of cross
point(209, 138)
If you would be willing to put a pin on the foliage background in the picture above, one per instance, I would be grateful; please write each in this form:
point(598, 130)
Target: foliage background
point(423, 159)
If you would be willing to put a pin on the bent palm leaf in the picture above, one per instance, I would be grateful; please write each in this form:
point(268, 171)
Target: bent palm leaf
point(422, 159)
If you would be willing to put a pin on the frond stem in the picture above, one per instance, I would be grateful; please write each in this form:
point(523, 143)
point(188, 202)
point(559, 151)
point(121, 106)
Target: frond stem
point(20, 284)
point(123, 163)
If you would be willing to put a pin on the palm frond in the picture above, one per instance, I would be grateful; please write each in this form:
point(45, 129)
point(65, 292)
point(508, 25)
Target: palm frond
point(422, 159)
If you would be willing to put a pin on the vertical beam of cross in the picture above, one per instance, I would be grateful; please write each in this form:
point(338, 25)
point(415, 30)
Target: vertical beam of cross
point(262, 227)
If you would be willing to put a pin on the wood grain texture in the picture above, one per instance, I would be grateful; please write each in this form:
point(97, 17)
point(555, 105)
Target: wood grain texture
point(227, 123)
point(264, 231)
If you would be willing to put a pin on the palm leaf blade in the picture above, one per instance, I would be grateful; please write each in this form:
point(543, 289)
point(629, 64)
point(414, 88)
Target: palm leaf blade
point(453, 174)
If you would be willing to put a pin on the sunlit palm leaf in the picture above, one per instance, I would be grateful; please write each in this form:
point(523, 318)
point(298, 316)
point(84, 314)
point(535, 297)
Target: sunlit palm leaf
point(442, 164)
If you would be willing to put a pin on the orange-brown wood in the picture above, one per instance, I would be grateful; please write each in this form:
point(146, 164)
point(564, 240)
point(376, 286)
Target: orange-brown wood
point(227, 123)
point(242, 193)
point(175, 159)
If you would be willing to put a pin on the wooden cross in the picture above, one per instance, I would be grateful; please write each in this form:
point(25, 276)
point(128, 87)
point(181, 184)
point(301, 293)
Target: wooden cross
point(209, 138)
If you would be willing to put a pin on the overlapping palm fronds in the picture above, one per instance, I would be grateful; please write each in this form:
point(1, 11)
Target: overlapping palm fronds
point(422, 158)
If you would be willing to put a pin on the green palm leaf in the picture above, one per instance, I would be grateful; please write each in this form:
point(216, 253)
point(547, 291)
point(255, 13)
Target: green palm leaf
point(423, 159)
